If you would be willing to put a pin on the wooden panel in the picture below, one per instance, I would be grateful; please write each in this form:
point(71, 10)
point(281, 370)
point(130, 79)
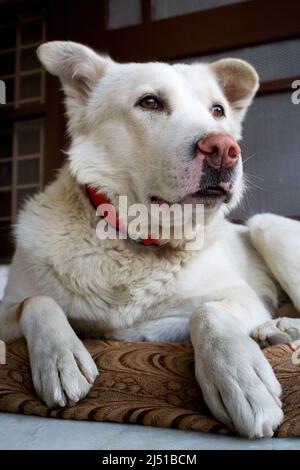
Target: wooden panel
point(247, 23)
point(30, 112)
point(274, 86)
point(7, 244)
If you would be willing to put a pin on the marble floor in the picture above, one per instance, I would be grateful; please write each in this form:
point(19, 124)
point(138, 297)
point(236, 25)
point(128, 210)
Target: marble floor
point(19, 432)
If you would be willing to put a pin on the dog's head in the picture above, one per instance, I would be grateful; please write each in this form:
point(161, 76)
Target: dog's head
point(154, 132)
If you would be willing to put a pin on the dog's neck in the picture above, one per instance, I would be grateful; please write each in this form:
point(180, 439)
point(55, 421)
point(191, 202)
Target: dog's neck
point(212, 220)
point(106, 210)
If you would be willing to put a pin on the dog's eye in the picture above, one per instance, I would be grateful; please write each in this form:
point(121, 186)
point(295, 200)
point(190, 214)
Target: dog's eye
point(150, 102)
point(217, 111)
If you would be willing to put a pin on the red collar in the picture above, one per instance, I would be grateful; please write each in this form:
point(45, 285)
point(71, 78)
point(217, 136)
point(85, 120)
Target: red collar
point(97, 199)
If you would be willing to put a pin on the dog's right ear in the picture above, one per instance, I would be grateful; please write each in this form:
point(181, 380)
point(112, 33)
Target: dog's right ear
point(78, 67)
point(239, 82)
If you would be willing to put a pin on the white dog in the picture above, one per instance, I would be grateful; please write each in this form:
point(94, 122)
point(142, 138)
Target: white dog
point(155, 133)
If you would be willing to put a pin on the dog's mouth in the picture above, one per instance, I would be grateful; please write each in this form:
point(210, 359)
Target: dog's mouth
point(209, 196)
point(215, 192)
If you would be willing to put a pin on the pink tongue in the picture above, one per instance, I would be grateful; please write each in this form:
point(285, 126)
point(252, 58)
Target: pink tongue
point(226, 186)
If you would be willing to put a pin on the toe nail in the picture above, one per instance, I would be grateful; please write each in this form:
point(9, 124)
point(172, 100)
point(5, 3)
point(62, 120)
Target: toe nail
point(90, 378)
point(74, 398)
point(267, 429)
point(277, 399)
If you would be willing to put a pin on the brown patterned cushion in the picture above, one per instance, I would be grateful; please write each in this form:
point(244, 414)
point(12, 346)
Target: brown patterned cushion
point(145, 383)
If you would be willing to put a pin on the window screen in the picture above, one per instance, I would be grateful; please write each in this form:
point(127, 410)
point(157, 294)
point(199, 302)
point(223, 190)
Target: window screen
point(124, 13)
point(272, 61)
point(271, 151)
point(168, 8)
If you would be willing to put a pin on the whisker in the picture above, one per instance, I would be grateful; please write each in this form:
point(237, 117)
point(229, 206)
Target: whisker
point(253, 185)
point(254, 176)
point(246, 203)
point(249, 182)
point(250, 157)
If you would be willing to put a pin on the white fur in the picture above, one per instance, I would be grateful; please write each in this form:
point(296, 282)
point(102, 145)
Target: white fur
point(111, 289)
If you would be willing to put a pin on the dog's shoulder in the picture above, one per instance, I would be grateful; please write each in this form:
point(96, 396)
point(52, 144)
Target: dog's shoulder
point(52, 217)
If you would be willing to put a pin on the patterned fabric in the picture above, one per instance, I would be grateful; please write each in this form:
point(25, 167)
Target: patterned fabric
point(146, 383)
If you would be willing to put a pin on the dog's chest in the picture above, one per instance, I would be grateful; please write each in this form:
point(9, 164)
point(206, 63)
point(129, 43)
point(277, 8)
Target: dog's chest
point(125, 275)
point(119, 285)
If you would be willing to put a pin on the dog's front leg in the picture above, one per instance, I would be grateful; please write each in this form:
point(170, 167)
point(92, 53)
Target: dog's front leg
point(62, 369)
point(237, 382)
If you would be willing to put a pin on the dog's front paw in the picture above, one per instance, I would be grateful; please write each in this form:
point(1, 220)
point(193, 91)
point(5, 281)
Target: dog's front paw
point(277, 331)
point(62, 373)
point(240, 388)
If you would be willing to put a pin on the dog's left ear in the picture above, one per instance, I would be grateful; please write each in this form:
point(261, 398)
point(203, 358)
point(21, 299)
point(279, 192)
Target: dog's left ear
point(239, 82)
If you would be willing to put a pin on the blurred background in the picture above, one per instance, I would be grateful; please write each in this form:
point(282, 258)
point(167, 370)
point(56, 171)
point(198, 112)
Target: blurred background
point(266, 33)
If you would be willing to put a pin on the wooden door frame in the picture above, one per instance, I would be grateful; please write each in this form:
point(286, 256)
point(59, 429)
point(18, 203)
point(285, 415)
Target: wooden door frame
point(230, 27)
point(205, 32)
